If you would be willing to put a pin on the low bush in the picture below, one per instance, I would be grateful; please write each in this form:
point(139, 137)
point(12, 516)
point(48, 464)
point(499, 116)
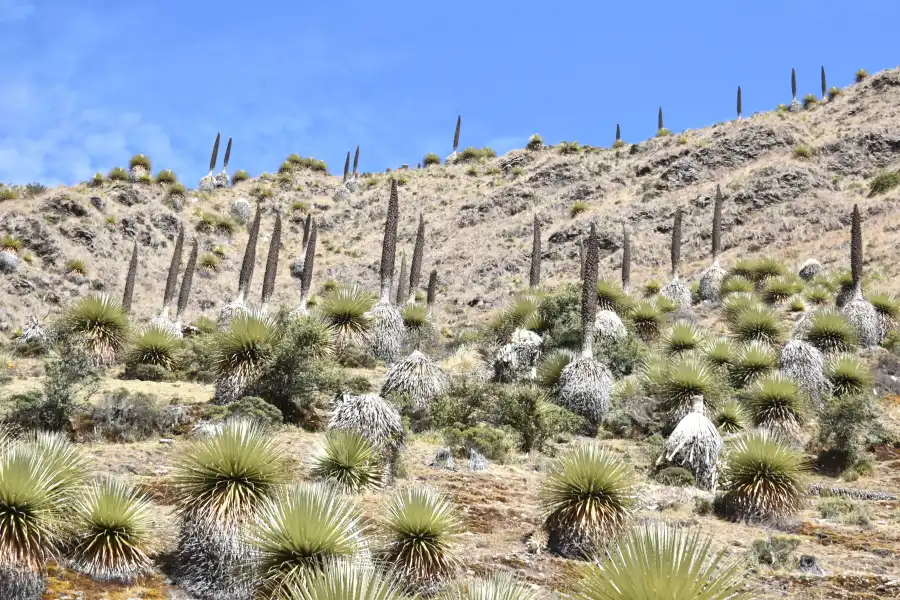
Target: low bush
point(249, 407)
point(431, 159)
point(884, 182)
point(675, 477)
point(535, 142)
point(494, 443)
point(776, 551)
point(472, 154)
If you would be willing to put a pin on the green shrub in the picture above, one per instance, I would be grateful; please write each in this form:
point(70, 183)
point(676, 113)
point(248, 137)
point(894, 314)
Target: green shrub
point(239, 176)
point(675, 477)
point(752, 361)
point(175, 189)
point(651, 288)
point(578, 207)
point(97, 180)
point(209, 262)
point(518, 171)
point(829, 331)
point(802, 152)
point(550, 367)
point(431, 159)
point(472, 154)
point(810, 101)
point(647, 319)
point(535, 142)
point(153, 346)
point(776, 551)
point(861, 74)
point(680, 338)
point(777, 403)
point(122, 416)
point(250, 408)
point(140, 160)
point(779, 289)
point(75, 265)
point(884, 182)
point(295, 161)
point(833, 507)
point(674, 382)
point(569, 148)
point(834, 92)
point(166, 176)
point(730, 417)
point(611, 296)
point(663, 133)
point(844, 423)
point(818, 295)
point(757, 324)
point(472, 171)
point(494, 443)
point(118, 174)
point(529, 412)
point(9, 243)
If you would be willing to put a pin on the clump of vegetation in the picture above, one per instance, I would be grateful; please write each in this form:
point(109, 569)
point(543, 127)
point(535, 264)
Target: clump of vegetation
point(663, 132)
point(848, 375)
point(140, 160)
point(535, 142)
point(776, 551)
point(97, 180)
point(472, 154)
point(884, 182)
point(587, 496)
point(154, 346)
point(662, 557)
point(209, 263)
point(118, 174)
point(763, 477)
point(834, 92)
point(569, 148)
point(166, 176)
point(99, 323)
point(431, 159)
point(830, 332)
point(349, 461)
point(810, 101)
point(861, 74)
point(239, 176)
point(295, 162)
point(802, 152)
point(10, 244)
point(578, 207)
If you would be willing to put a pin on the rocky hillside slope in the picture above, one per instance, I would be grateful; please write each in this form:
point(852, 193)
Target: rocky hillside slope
point(790, 179)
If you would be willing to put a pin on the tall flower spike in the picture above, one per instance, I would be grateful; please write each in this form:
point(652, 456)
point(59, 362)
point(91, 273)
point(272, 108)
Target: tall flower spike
point(308, 262)
point(589, 294)
point(356, 160)
point(456, 134)
point(717, 224)
point(172, 279)
point(659, 119)
point(626, 258)
point(272, 261)
point(676, 243)
point(346, 166)
point(581, 259)
point(249, 262)
point(389, 243)
point(306, 226)
point(739, 107)
point(856, 250)
point(415, 269)
point(534, 277)
point(402, 292)
point(128, 295)
point(186, 282)
point(215, 154)
point(824, 85)
point(227, 155)
point(794, 84)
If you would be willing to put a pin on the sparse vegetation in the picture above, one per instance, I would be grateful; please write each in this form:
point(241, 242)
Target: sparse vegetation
point(802, 152)
point(431, 159)
point(117, 174)
point(809, 101)
point(475, 154)
point(166, 177)
point(535, 142)
point(239, 176)
point(884, 182)
point(578, 207)
point(861, 74)
point(140, 160)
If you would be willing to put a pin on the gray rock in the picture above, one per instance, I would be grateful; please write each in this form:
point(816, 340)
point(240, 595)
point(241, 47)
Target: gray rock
point(352, 184)
point(342, 194)
point(810, 269)
point(810, 564)
point(208, 183)
point(297, 268)
point(98, 203)
point(221, 180)
point(125, 195)
point(795, 106)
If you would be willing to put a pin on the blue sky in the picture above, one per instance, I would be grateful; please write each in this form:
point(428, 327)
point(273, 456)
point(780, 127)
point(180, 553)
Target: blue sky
point(87, 84)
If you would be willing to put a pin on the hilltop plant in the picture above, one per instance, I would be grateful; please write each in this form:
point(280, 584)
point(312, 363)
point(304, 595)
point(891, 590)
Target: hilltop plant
point(535, 142)
point(117, 174)
point(166, 177)
point(861, 74)
point(431, 159)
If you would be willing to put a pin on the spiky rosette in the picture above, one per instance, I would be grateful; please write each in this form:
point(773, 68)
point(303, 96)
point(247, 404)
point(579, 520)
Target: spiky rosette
point(421, 530)
point(678, 292)
point(609, 327)
point(299, 530)
point(805, 365)
point(660, 559)
point(763, 477)
point(731, 417)
point(499, 586)
point(348, 461)
point(100, 323)
point(587, 497)
point(221, 481)
point(584, 388)
point(865, 319)
point(695, 444)
point(828, 330)
point(344, 579)
point(371, 416)
point(388, 332)
point(240, 352)
point(418, 376)
point(154, 346)
point(114, 532)
point(751, 361)
point(518, 359)
point(676, 383)
point(777, 403)
point(710, 284)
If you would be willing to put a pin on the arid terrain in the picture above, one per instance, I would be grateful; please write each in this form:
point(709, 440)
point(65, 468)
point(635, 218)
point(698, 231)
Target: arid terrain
point(790, 180)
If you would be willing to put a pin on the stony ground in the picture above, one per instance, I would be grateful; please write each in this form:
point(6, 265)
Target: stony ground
point(500, 510)
point(781, 202)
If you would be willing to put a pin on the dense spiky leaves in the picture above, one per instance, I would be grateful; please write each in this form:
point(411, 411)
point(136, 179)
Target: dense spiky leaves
point(777, 403)
point(114, 532)
point(345, 310)
point(731, 417)
point(420, 530)
point(757, 323)
point(100, 323)
point(588, 495)
point(347, 460)
point(763, 477)
point(155, 345)
point(658, 559)
point(830, 331)
point(343, 579)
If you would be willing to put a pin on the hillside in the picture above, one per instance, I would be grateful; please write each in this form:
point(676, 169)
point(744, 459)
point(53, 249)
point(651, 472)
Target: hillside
point(779, 201)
